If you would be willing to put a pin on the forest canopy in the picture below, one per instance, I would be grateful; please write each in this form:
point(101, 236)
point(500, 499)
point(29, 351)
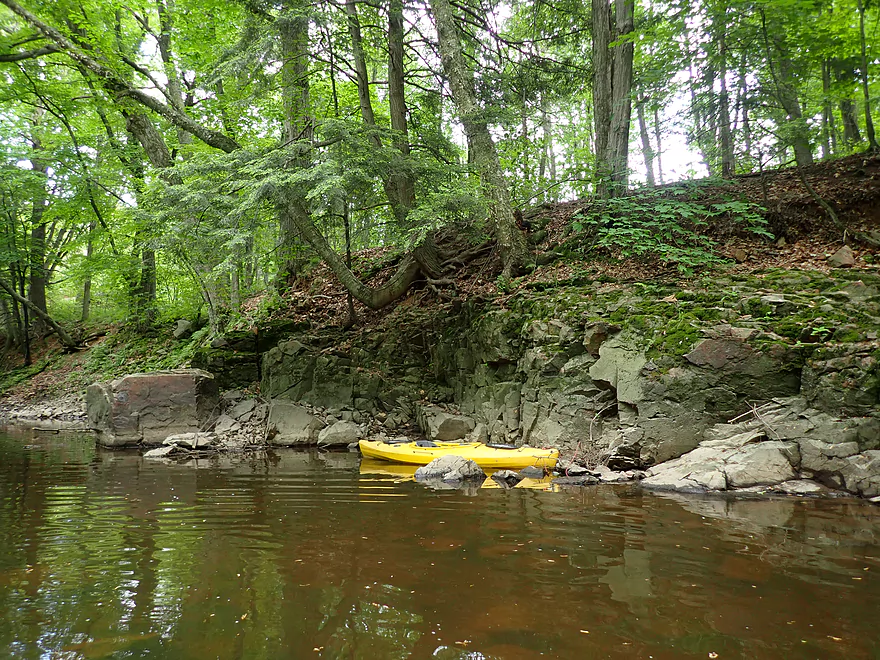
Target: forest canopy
point(165, 158)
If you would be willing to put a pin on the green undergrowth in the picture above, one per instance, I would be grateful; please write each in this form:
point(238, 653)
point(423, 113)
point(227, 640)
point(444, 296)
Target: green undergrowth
point(128, 352)
point(21, 374)
point(671, 224)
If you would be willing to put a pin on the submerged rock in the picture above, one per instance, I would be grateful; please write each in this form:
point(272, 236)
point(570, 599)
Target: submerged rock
point(160, 452)
point(531, 472)
point(507, 478)
point(582, 480)
point(191, 440)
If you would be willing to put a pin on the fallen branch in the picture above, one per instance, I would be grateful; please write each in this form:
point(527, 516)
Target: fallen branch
point(65, 338)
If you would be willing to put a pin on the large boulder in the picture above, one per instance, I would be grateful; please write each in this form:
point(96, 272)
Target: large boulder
point(291, 424)
point(147, 408)
point(339, 434)
point(440, 425)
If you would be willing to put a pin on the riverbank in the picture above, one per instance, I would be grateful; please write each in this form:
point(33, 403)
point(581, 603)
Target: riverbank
point(754, 372)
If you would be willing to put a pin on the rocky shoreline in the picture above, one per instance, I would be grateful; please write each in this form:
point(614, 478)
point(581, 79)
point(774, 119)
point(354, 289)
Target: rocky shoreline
point(66, 410)
point(781, 448)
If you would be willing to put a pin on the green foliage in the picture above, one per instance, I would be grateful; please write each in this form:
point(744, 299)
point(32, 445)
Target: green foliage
point(12, 378)
point(129, 352)
point(663, 224)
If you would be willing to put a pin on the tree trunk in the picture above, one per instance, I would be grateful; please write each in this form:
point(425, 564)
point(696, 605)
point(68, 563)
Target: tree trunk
point(647, 151)
point(788, 98)
point(403, 181)
point(851, 134)
point(612, 89)
point(698, 136)
point(728, 164)
point(65, 338)
point(293, 27)
point(743, 93)
point(360, 66)
point(603, 69)
point(140, 126)
point(374, 298)
point(37, 248)
point(869, 122)
point(165, 9)
point(657, 137)
point(393, 186)
point(38, 274)
point(511, 242)
point(548, 157)
point(621, 100)
point(87, 284)
point(829, 137)
point(845, 76)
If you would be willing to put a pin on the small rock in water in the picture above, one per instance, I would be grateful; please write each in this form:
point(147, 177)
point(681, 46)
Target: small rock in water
point(160, 452)
point(531, 472)
point(583, 480)
point(451, 468)
point(191, 440)
point(801, 487)
point(507, 478)
point(572, 469)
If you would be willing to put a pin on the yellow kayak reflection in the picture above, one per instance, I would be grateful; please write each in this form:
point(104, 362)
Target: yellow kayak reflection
point(402, 472)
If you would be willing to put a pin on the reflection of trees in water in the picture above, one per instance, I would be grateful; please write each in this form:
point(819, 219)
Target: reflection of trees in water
point(278, 554)
point(373, 628)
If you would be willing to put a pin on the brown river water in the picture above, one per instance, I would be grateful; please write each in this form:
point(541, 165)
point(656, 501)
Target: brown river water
point(306, 555)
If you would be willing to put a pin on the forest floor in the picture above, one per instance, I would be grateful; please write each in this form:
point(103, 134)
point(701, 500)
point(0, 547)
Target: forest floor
point(803, 238)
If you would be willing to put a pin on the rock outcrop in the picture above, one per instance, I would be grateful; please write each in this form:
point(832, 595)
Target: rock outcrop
point(785, 446)
point(147, 408)
point(615, 374)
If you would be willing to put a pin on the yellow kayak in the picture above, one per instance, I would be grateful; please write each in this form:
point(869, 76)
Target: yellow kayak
point(488, 458)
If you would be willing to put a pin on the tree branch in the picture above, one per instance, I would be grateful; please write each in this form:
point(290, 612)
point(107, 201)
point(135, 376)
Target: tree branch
point(28, 54)
point(121, 88)
point(65, 338)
